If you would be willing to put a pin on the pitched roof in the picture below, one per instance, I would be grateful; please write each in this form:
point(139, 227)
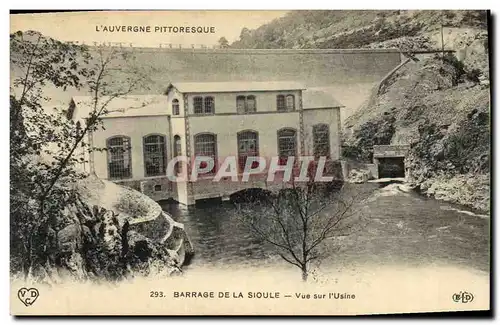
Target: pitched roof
point(235, 86)
point(317, 98)
point(124, 106)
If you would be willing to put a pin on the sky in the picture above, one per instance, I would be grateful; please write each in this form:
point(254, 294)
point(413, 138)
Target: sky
point(89, 27)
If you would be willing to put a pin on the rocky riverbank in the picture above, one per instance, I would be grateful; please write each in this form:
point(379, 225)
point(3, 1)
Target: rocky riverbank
point(469, 190)
point(435, 107)
point(101, 237)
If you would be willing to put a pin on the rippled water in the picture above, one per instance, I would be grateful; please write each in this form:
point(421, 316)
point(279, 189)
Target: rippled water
point(397, 228)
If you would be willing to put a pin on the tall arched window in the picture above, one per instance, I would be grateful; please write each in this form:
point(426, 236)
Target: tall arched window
point(290, 102)
point(287, 144)
point(154, 155)
point(177, 153)
point(280, 103)
point(321, 140)
point(248, 146)
point(205, 144)
point(175, 107)
point(119, 157)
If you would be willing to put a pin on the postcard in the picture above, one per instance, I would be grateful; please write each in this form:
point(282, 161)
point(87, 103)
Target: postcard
point(323, 162)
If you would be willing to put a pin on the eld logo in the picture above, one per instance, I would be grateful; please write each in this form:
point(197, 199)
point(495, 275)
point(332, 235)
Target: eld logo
point(28, 296)
point(463, 297)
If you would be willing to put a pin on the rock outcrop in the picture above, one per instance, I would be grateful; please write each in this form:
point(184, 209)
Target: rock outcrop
point(92, 242)
point(443, 113)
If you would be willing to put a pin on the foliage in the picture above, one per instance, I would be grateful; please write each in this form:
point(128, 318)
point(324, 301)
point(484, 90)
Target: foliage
point(223, 42)
point(375, 132)
point(463, 73)
point(43, 61)
point(45, 146)
point(465, 147)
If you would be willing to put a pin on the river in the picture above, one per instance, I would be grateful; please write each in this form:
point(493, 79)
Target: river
point(398, 227)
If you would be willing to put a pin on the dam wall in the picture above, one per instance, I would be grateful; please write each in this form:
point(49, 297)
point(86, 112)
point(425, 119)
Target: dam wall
point(348, 74)
point(314, 68)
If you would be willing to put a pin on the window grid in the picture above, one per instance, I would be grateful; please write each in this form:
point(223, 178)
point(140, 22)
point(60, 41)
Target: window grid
point(206, 145)
point(177, 153)
point(240, 104)
point(290, 102)
point(321, 139)
point(280, 103)
point(175, 107)
point(198, 105)
point(287, 144)
point(250, 106)
point(209, 105)
point(119, 158)
point(246, 104)
point(154, 155)
point(285, 103)
point(248, 146)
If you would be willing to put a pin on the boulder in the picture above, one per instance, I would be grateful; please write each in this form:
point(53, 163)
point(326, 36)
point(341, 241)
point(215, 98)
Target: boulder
point(358, 176)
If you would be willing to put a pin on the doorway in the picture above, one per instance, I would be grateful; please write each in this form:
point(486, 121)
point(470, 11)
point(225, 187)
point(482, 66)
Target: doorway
point(391, 167)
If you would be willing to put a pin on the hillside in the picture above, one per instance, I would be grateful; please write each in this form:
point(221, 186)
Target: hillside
point(443, 112)
point(353, 28)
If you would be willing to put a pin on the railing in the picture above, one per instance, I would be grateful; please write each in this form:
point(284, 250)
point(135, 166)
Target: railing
point(216, 47)
point(160, 45)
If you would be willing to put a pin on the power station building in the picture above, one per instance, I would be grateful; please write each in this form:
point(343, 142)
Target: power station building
point(142, 133)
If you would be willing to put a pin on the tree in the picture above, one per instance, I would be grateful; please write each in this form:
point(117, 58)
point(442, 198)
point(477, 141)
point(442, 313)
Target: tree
point(44, 143)
point(245, 33)
point(301, 221)
point(223, 43)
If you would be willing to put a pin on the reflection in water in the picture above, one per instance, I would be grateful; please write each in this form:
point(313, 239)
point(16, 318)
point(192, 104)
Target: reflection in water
point(397, 228)
point(218, 237)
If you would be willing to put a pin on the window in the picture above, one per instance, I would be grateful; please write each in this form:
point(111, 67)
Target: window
point(204, 105)
point(119, 157)
point(175, 107)
point(205, 144)
point(209, 105)
point(287, 144)
point(246, 104)
point(280, 103)
point(285, 103)
point(250, 106)
point(248, 146)
point(290, 102)
point(177, 153)
point(198, 105)
point(240, 104)
point(321, 139)
point(154, 155)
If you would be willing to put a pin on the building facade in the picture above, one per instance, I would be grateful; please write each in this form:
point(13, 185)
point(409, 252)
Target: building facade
point(216, 119)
